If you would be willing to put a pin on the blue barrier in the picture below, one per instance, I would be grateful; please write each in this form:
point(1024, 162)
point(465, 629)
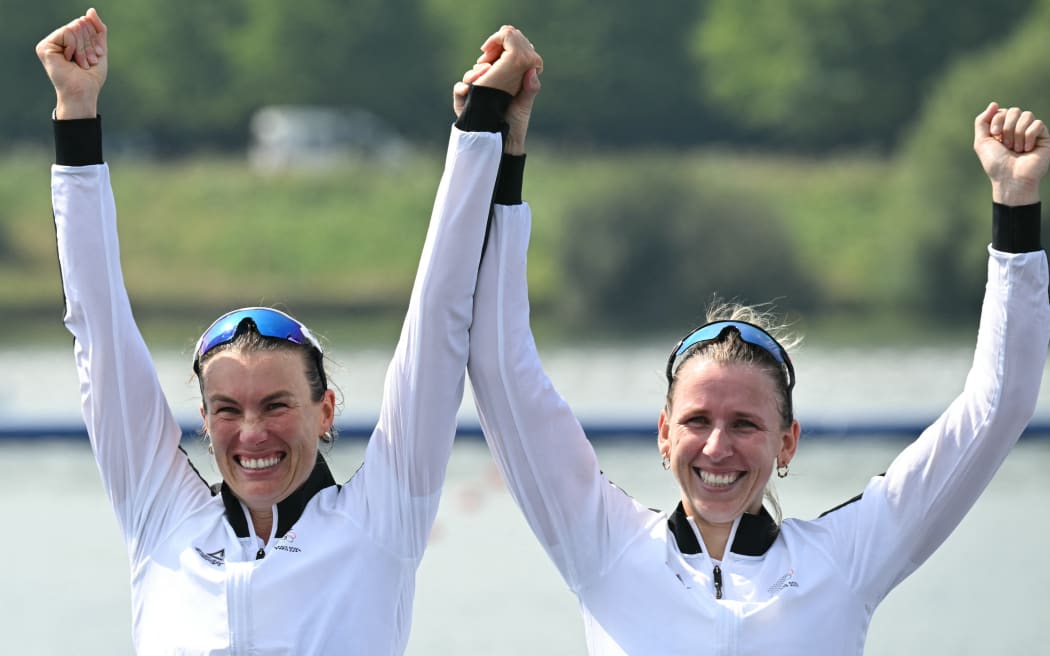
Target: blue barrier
point(905, 430)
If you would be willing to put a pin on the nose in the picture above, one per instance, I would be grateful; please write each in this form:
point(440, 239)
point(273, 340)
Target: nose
point(253, 428)
point(717, 445)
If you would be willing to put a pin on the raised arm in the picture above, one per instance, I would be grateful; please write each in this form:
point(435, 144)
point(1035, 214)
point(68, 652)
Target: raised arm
point(540, 448)
point(407, 456)
point(133, 434)
point(906, 514)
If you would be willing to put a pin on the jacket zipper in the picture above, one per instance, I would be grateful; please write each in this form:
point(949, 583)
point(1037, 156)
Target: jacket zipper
point(718, 582)
point(259, 554)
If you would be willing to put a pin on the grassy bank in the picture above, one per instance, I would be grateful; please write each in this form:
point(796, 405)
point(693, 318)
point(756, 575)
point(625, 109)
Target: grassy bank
point(204, 234)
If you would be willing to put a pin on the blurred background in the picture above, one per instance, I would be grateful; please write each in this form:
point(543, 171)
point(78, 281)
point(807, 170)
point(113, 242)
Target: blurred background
point(815, 154)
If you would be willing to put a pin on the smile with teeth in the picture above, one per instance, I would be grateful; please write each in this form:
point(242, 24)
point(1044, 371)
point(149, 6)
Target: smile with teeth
point(718, 480)
point(259, 463)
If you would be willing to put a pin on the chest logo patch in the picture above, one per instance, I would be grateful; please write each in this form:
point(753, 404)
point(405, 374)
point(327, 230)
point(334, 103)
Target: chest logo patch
point(786, 581)
point(217, 558)
point(285, 543)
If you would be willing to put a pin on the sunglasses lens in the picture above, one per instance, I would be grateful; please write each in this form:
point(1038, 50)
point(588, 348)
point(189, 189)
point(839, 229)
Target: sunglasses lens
point(268, 323)
point(748, 332)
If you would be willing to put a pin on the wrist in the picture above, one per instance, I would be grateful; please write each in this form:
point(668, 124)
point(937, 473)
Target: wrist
point(73, 108)
point(483, 110)
point(1015, 193)
point(514, 144)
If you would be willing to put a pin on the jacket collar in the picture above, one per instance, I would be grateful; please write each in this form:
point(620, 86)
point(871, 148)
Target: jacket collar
point(289, 509)
point(754, 536)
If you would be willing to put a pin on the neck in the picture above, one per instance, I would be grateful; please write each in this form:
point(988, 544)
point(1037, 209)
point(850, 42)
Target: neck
point(262, 521)
point(716, 536)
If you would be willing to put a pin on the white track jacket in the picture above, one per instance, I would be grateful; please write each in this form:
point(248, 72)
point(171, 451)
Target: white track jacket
point(643, 578)
point(338, 574)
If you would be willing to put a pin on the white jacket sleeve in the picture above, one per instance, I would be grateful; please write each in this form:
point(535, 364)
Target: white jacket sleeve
point(905, 514)
point(582, 520)
point(133, 433)
point(408, 453)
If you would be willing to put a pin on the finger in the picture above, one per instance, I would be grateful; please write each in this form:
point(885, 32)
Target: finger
point(474, 73)
point(514, 39)
point(70, 51)
point(100, 31)
point(95, 20)
point(1020, 129)
point(1010, 125)
point(1024, 120)
point(90, 37)
point(1036, 131)
point(496, 44)
point(492, 48)
point(72, 46)
point(996, 127)
point(66, 39)
point(520, 45)
point(81, 40)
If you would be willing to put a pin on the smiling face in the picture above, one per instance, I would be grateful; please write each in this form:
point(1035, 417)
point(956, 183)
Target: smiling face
point(263, 424)
point(723, 433)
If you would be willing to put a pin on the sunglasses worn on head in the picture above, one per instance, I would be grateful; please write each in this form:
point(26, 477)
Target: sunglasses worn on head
point(265, 321)
point(748, 332)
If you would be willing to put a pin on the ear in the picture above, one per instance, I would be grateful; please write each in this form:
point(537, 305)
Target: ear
point(789, 443)
point(204, 418)
point(663, 434)
point(327, 411)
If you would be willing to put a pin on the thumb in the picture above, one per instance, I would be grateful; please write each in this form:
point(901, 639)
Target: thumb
point(982, 125)
point(530, 84)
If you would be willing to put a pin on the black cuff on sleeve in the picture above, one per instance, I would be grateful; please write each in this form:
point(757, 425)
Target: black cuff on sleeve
point(1016, 229)
point(509, 180)
point(484, 110)
point(78, 142)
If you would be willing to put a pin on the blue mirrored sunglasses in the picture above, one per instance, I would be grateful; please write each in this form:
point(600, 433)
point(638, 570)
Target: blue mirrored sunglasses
point(748, 332)
point(265, 321)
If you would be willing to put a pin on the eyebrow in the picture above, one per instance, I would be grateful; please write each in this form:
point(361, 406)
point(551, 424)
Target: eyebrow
point(269, 398)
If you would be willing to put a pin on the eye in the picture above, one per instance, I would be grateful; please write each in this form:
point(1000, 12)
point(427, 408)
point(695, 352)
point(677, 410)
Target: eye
point(697, 420)
point(224, 411)
point(745, 424)
point(276, 405)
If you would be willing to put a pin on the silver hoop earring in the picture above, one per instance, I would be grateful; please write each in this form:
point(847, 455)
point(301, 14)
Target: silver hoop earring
point(211, 448)
point(665, 463)
point(782, 471)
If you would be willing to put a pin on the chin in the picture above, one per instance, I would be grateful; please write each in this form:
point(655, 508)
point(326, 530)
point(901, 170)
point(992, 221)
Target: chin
point(720, 513)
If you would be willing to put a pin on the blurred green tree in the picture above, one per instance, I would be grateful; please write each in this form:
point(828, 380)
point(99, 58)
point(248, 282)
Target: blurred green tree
point(816, 75)
point(946, 192)
point(648, 252)
point(172, 81)
point(376, 55)
point(28, 97)
point(618, 73)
